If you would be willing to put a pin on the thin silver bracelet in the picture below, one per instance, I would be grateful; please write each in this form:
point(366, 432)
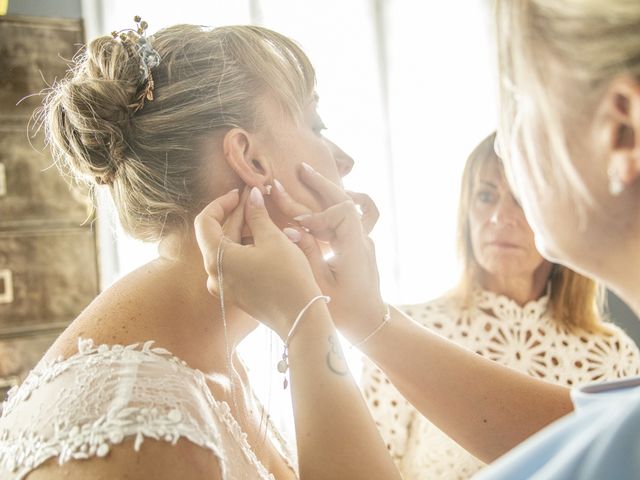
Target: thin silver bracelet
point(385, 320)
point(283, 365)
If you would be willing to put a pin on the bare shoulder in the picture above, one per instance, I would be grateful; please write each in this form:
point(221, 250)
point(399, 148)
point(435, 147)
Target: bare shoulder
point(156, 460)
point(147, 304)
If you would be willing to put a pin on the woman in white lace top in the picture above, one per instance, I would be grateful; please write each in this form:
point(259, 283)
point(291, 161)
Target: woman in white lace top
point(512, 307)
point(146, 382)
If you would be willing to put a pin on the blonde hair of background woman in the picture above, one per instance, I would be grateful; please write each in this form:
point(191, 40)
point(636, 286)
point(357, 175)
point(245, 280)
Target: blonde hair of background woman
point(575, 300)
point(208, 80)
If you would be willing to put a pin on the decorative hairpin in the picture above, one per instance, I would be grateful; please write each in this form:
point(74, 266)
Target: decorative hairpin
point(137, 43)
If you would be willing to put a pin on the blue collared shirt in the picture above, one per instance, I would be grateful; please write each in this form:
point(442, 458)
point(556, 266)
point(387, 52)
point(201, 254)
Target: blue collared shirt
point(599, 440)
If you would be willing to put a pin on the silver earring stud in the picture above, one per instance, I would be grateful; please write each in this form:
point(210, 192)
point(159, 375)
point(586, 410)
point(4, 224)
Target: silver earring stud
point(268, 189)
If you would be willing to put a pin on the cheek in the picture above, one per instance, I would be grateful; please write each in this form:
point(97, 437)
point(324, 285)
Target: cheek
point(301, 146)
point(479, 216)
point(323, 161)
point(298, 191)
point(475, 232)
point(320, 159)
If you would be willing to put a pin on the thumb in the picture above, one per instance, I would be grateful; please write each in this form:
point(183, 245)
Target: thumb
point(262, 227)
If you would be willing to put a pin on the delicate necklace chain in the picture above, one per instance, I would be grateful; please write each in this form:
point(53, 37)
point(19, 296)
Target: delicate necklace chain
point(224, 323)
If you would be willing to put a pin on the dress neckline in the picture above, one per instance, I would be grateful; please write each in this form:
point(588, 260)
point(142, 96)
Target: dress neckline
point(46, 371)
point(504, 307)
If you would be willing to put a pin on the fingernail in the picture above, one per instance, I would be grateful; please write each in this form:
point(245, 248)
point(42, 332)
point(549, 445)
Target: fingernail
point(302, 218)
point(308, 167)
point(292, 234)
point(256, 198)
point(278, 186)
point(235, 190)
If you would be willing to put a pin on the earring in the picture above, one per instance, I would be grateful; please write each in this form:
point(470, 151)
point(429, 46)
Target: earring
point(268, 189)
point(616, 186)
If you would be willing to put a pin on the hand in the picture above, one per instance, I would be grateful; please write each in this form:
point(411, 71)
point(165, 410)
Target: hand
point(271, 280)
point(350, 277)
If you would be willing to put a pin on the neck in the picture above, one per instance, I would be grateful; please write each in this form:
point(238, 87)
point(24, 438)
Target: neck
point(620, 271)
point(181, 257)
point(520, 288)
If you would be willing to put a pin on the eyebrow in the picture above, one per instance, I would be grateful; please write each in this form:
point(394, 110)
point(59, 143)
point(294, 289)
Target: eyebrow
point(488, 183)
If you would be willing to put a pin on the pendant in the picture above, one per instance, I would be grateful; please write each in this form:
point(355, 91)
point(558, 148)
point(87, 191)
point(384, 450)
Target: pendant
point(283, 366)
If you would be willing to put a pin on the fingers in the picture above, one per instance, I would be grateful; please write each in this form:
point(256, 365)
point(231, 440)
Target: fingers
point(287, 205)
point(208, 227)
point(262, 227)
point(232, 227)
point(339, 224)
point(208, 223)
point(370, 212)
point(329, 192)
point(309, 246)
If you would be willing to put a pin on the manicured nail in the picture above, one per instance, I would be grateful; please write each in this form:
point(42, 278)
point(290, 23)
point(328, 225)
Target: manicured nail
point(235, 190)
point(256, 198)
point(302, 218)
point(308, 167)
point(278, 185)
point(293, 234)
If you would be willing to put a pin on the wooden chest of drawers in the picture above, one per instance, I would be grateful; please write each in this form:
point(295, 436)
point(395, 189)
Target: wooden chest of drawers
point(48, 251)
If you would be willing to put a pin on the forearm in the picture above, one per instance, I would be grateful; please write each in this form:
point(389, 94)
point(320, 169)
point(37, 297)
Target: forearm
point(485, 407)
point(335, 433)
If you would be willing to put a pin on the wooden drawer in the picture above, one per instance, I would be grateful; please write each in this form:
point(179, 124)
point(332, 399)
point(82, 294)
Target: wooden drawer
point(33, 53)
point(32, 191)
point(19, 355)
point(46, 278)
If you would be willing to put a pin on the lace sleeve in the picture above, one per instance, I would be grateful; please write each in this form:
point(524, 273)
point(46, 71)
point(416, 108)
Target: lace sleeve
point(78, 408)
point(626, 358)
point(390, 410)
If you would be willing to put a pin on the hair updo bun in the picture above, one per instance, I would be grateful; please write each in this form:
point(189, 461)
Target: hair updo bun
point(89, 113)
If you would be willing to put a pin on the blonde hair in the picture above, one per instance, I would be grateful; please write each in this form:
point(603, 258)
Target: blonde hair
point(208, 80)
point(556, 60)
point(575, 301)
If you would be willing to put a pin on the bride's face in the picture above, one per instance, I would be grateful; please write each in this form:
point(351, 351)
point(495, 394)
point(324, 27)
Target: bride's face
point(288, 142)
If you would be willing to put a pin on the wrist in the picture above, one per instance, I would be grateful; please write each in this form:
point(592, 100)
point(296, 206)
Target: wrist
point(314, 326)
point(357, 327)
point(317, 316)
point(295, 304)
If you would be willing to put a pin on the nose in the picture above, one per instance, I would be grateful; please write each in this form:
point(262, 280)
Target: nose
point(343, 161)
point(507, 212)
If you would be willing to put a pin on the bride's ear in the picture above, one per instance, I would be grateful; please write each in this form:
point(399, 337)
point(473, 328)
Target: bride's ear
point(241, 154)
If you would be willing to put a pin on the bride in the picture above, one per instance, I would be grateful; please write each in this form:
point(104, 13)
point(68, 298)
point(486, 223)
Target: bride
point(146, 382)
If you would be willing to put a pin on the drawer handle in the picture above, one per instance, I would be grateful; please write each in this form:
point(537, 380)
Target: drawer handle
point(6, 286)
point(3, 180)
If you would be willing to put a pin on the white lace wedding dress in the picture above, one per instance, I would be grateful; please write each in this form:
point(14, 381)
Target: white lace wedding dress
point(79, 407)
point(525, 338)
